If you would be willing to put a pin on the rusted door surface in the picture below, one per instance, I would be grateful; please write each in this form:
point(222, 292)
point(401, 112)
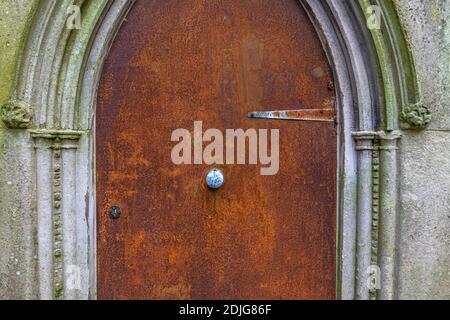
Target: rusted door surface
point(258, 237)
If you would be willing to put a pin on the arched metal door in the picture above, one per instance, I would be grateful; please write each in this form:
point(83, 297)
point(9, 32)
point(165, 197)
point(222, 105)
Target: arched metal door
point(221, 62)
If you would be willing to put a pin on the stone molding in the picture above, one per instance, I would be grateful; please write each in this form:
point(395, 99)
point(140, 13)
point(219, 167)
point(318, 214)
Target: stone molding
point(381, 148)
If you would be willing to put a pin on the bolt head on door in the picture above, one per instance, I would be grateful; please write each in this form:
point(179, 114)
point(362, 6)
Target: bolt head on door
point(115, 212)
point(215, 179)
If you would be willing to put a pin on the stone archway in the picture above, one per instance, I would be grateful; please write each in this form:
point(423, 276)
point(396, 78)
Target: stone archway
point(53, 108)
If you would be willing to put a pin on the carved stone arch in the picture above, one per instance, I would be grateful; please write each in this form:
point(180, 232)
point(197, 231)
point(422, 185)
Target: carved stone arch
point(58, 77)
point(375, 80)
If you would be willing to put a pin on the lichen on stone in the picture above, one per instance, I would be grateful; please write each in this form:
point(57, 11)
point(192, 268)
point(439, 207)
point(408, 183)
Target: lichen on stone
point(417, 115)
point(16, 114)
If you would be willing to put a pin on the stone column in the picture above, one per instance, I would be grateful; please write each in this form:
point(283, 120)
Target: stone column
point(388, 214)
point(364, 146)
point(55, 202)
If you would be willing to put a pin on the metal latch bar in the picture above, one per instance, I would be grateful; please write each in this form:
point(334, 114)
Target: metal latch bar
point(321, 115)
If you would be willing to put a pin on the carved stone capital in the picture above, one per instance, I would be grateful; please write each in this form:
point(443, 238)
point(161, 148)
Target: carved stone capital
point(391, 135)
point(56, 139)
point(376, 140)
point(364, 140)
point(388, 140)
point(417, 116)
point(16, 114)
point(53, 134)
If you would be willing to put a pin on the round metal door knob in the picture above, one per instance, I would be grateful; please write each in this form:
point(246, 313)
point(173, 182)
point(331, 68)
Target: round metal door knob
point(215, 179)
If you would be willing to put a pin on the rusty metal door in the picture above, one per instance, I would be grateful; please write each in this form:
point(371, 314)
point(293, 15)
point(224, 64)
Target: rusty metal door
point(161, 232)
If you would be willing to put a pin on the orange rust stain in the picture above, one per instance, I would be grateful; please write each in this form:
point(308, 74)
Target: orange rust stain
point(258, 237)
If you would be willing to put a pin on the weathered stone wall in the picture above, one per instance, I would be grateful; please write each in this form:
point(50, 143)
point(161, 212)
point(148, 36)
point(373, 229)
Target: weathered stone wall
point(424, 223)
point(424, 226)
point(16, 221)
